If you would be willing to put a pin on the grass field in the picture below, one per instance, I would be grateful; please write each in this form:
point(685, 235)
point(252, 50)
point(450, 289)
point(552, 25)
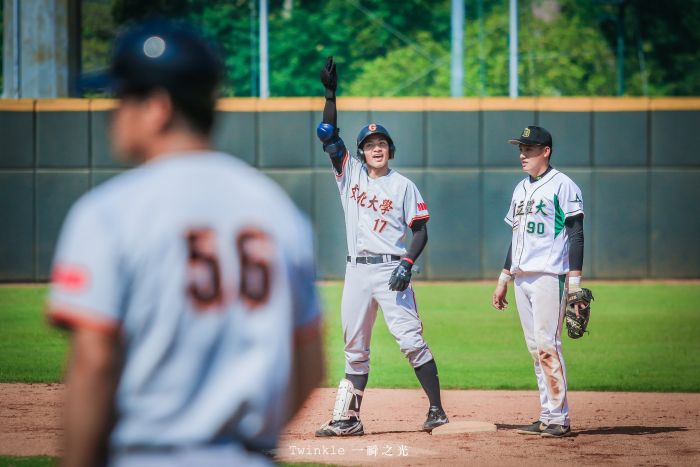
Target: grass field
point(35, 461)
point(643, 337)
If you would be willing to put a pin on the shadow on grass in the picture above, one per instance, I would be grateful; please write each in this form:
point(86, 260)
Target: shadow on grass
point(634, 430)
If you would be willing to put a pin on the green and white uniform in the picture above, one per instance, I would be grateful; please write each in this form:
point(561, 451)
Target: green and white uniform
point(539, 262)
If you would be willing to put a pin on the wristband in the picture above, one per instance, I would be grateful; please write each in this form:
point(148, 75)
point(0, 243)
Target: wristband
point(574, 283)
point(503, 278)
point(408, 260)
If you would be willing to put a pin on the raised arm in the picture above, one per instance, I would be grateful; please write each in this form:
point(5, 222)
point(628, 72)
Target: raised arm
point(328, 131)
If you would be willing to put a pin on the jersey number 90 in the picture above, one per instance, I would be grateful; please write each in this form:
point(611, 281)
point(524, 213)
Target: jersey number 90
point(205, 289)
point(532, 228)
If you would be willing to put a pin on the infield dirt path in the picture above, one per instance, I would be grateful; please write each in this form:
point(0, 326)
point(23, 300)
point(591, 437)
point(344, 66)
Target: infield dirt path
point(609, 428)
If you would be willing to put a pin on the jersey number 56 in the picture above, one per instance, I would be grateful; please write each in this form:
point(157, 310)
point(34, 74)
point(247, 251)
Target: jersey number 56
point(254, 249)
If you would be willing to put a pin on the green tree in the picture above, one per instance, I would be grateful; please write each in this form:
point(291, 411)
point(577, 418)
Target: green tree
point(559, 56)
point(565, 55)
point(402, 47)
point(421, 69)
point(98, 30)
point(230, 23)
point(669, 35)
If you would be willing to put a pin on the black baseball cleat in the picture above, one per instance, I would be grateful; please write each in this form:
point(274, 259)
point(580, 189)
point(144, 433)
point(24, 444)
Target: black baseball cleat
point(556, 431)
point(535, 428)
point(350, 427)
point(436, 417)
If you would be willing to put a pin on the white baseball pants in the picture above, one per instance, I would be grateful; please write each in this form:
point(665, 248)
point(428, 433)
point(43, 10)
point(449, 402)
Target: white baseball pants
point(541, 305)
point(367, 287)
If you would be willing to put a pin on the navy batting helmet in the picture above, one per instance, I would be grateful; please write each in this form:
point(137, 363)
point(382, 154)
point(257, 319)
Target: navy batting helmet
point(373, 129)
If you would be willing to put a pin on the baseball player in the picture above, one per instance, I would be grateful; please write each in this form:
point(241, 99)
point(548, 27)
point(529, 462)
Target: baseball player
point(380, 206)
point(546, 217)
point(187, 281)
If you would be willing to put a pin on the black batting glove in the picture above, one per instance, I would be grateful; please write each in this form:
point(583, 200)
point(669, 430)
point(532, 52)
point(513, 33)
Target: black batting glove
point(329, 78)
point(401, 276)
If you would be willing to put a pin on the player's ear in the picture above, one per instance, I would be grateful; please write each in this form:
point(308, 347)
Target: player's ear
point(160, 111)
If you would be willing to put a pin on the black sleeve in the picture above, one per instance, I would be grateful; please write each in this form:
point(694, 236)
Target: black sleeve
point(574, 230)
point(337, 164)
point(509, 259)
point(330, 113)
point(420, 239)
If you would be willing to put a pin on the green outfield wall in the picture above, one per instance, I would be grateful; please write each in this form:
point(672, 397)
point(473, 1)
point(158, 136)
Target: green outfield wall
point(634, 158)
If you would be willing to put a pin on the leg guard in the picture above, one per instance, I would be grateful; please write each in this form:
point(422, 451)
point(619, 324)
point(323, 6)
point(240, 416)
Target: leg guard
point(346, 404)
point(346, 415)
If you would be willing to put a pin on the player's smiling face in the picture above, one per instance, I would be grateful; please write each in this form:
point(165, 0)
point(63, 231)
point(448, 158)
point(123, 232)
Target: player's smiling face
point(376, 149)
point(534, 159)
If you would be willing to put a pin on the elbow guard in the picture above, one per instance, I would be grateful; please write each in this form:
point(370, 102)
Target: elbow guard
point(326, 131)
point(333, 145)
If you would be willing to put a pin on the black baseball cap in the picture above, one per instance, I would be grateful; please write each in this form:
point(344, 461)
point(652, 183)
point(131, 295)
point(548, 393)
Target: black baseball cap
point(533, 136)
point(160, 54)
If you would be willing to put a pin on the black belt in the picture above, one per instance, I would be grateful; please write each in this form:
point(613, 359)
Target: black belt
point(374, 259)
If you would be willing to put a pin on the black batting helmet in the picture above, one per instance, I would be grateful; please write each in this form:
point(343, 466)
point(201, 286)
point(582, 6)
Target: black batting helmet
point(162, 54)
point(373, 129)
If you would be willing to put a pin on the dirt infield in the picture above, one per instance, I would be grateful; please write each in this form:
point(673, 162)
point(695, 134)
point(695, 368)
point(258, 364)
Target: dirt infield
point(610, 428)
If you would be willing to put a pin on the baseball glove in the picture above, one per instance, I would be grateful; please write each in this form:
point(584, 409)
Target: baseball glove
point(576, 325)
point(329, 78)
point(401, 276)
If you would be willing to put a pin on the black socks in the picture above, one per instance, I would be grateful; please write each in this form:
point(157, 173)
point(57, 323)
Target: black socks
point(360, 383)
point(428, 376)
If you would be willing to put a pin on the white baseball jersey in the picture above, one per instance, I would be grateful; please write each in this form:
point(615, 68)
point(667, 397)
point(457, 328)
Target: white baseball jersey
point(538, 211)
point(205, 268)
point(378, 212)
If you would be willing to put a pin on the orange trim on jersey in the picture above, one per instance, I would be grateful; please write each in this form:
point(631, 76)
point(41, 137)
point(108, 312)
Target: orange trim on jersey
point(308, 331)
point(71, 277)
point(417, 218)
point(342, 166)
point(71, 317)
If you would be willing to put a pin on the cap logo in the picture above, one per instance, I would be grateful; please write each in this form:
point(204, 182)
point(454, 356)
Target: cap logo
point(372, 127)
point(526, 133)
point(154, 47)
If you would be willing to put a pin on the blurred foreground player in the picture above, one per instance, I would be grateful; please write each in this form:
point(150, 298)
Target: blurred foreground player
point(187, 281)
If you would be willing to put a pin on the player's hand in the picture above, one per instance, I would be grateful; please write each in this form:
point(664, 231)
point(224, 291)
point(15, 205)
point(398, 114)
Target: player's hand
point(579, 306)
point(498, 300)
point(329, 77)
point(401, 276)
